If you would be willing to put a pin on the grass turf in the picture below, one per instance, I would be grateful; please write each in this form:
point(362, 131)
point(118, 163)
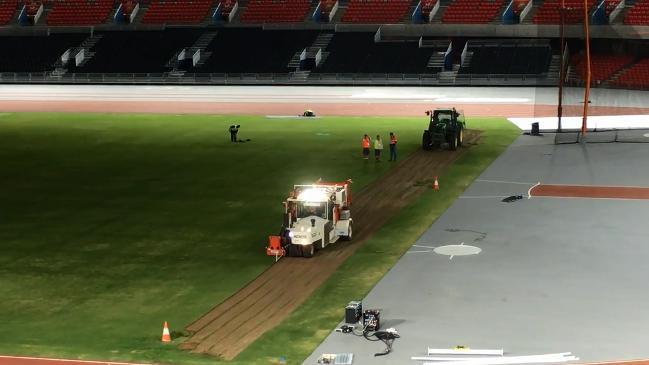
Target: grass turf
point(112, 224)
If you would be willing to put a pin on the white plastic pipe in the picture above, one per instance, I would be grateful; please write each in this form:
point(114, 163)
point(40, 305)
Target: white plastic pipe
point(532, 359)
point(461, 351)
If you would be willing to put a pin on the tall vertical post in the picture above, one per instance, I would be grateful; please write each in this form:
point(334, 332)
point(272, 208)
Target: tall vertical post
point(584, 123)
point(562, 71)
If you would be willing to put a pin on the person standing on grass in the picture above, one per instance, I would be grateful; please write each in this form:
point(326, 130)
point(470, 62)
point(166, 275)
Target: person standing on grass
point(378, 148)
point(393, 147)
point(234, 129)
point(365, 144)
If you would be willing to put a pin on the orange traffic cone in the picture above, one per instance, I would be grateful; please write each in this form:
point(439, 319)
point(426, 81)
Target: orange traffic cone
point(166, 337)
point(436, 184)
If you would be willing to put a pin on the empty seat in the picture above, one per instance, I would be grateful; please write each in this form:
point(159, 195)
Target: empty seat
point(177, 11)
point(602, 67)
point(549, 12)
point(275, 11)
point(503, 58)
point(79, 12)
point(376, 11)
point(7, 10)
point(472, 11)
point(638, 14)
point(635, 77)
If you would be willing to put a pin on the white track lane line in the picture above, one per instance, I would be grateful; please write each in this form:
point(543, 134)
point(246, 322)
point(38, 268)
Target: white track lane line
point(529, 191)
point(504, 182)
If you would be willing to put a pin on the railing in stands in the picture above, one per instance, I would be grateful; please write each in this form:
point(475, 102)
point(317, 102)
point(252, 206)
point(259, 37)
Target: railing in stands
point(277, 79)
point(417, 15)
point(526, 10)
point(508, 14)
point(433, 12)
point(617, 11)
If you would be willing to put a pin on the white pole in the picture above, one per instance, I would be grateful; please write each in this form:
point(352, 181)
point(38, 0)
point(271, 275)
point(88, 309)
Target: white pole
point(507, 360)
point(466, 351)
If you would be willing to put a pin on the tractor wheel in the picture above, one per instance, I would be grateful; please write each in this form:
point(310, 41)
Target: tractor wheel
point(451, 138)
point(426, 141)
point(308, 251)
point(460, 137)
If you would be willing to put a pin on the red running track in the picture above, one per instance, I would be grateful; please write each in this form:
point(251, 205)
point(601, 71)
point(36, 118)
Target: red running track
point(590, 192)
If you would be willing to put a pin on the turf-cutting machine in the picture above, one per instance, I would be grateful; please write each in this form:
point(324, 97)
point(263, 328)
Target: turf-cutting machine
point(315, 215)
point(445, 126)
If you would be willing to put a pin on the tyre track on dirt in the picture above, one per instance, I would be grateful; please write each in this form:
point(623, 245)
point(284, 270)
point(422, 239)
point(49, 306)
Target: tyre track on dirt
point(229, 327)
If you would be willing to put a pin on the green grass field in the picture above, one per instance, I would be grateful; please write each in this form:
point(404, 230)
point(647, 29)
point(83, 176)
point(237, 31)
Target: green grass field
point(112, 224)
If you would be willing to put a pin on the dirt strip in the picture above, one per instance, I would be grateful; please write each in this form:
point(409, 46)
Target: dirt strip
point(263, 303)
point(592, 192)
point(257, 108)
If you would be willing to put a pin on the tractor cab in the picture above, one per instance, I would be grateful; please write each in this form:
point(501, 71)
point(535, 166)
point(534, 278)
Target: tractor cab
point(446, 126)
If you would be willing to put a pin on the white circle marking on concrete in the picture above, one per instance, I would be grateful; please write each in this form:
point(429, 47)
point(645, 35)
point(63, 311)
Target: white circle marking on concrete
point(457, 250)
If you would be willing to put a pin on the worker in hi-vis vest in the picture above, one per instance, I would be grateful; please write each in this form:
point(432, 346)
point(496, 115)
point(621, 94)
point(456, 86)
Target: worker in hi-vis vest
point(393, 147)
point(365, 143)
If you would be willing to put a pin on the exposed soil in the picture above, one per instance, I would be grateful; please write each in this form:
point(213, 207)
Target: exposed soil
point(263, 303)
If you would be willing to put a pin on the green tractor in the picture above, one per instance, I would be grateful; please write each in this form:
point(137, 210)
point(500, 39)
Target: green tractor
point(446, 126)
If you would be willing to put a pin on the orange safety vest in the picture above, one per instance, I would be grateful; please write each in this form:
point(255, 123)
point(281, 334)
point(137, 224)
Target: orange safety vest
point(393, 139)
point(365, 143)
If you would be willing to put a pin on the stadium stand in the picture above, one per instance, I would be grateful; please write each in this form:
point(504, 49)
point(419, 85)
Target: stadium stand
point(7, 10)
point(177, 11)
point(376, 11)
point(638, 14)
point(610, 5)
point(635, 77)
point(275, 11)
point(79, 12)
point(507, 58)
point(127, 8)
point(602, 67)
point(549, 12)
point(426, 7)
point(358, 53)
point(254, 50)
point(138, 51)
point(35, 53)
point(472, 11)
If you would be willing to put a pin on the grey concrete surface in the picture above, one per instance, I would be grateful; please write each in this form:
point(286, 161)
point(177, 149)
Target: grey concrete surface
point(554, 274)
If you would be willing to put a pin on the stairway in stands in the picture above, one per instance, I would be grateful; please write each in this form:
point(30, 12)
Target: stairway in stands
point(86, 47)
point(535, 7)
point(554, 69)
point(201, 45)
point(320, 43)
point(436, 61)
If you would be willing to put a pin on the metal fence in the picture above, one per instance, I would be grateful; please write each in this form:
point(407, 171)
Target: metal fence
point(278, 79)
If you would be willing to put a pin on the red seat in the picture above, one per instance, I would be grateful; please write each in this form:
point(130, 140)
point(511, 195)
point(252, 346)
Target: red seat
point(472, 11)
point(635, 77)
point(376, 11)
point(275, 11)
point(177, 11)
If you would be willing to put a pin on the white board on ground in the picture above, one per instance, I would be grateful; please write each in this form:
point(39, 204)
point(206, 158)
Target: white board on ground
point(466, 351)
point(506, 360)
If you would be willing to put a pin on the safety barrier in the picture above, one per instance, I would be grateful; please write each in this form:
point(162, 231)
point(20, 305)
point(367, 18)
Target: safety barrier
point(277, 79)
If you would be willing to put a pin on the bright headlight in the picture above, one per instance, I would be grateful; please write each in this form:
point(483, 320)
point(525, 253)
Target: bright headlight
point(308, 230)
point(302, 229)
point(291, 234)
